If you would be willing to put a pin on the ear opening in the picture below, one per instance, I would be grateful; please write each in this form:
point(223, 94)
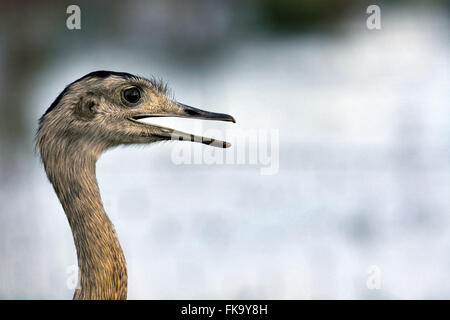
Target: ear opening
point(86, 108)
point(91, 106)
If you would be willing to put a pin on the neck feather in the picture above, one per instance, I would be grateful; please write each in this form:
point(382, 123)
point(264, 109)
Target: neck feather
point(102, 268)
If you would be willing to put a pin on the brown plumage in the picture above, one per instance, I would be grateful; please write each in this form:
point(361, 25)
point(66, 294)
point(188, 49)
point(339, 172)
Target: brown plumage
point(94, 113)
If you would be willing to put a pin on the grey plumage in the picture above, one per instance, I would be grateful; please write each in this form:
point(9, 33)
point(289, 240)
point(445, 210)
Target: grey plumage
point(90, 116)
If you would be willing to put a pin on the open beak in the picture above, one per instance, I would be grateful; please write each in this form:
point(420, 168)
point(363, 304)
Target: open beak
point(184, 111)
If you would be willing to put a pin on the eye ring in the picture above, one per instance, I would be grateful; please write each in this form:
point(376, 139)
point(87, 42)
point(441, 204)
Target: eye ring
point(131, 95)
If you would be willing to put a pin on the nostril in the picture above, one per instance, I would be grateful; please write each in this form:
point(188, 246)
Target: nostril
point(191, 112)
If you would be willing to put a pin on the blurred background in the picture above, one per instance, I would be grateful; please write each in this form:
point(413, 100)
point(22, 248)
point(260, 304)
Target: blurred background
point(364, 148)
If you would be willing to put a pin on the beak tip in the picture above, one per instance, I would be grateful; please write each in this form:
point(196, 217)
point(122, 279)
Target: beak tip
point(229, 118)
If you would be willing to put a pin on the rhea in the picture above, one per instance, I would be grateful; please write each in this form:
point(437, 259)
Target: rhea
point(92, 114)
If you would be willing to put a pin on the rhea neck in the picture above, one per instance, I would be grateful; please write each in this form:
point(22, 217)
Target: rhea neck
point(102, 268)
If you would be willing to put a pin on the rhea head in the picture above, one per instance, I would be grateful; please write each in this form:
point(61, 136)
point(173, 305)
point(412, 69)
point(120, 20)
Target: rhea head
point(99, 111)
point(103, 109)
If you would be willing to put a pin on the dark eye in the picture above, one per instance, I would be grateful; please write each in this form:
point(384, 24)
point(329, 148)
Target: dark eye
point(132, 95)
